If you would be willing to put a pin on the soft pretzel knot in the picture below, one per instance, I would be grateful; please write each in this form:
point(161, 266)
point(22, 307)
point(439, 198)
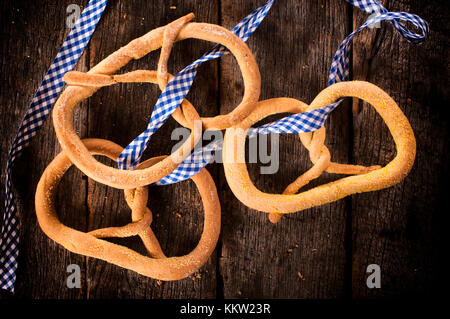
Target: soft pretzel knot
point(82, 85)
point(366, 178)
point(91, 244)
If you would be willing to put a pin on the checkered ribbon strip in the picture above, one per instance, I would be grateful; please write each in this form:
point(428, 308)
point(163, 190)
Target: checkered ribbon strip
point(37, 112)
point(177, 89)
point(312, 120)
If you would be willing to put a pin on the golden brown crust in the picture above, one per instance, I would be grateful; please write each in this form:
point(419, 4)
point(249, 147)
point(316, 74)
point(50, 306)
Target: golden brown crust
point(375, 178)
point(90, 244)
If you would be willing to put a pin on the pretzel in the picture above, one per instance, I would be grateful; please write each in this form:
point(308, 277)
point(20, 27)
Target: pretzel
point(368, 179)
point(163, 36)
point(90, 244)
point(185, 115)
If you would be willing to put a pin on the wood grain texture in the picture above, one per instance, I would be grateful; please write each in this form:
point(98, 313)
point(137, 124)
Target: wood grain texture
point(400, 228)
point(293, 48)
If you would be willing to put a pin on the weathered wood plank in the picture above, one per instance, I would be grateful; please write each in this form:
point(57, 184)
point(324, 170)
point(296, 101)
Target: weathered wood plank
point(293, 47)
point(400, 228)
point(27, 51)
point(120, 113)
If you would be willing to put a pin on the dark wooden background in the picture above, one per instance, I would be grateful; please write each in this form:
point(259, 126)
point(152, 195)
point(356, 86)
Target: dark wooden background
point(400, 228)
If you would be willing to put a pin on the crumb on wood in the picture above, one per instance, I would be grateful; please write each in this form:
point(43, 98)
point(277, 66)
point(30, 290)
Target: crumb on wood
point(125, 16)
point(239, 293)
point(300, 276)
point(173, 7)
point(159, 282)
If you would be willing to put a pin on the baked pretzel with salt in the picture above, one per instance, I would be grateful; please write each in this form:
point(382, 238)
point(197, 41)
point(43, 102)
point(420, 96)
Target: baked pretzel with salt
point(91, 244)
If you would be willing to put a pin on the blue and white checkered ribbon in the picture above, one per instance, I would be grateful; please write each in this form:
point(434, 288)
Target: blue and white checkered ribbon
point(177, 89)
point(340, 67)
point(37, 112)
point(311, 120)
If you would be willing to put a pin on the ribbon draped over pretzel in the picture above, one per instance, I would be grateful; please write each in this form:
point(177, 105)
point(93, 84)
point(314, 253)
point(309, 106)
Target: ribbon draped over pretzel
point(133, 176)
point(340, 66)
point(177, 89)
point(77, 91)
point(365, 179)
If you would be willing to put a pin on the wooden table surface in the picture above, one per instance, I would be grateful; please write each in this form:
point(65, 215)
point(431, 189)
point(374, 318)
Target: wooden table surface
point(330, 246)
